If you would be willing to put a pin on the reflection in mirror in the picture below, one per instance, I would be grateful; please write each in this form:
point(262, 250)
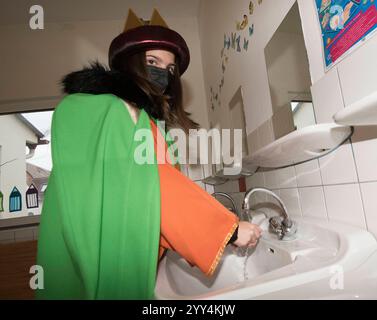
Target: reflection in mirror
point(303, 114)
point(289, 77)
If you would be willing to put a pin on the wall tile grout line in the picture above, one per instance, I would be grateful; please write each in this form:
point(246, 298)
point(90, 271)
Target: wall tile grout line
point(325, 185)
point(363, 207)
point(341, 87)
point(298, 193)
point(358, 179)
point(314, 185)
point(323, 191)
point(325, 202)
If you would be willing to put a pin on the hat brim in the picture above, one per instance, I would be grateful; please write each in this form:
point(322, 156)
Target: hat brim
point(148, 38)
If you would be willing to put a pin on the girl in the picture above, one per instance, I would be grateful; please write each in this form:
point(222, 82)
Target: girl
point(107, 220)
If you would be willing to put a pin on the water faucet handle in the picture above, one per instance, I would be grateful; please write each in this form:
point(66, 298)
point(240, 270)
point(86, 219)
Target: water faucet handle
point(289, 227)
point(287, 223)
point(276, 225)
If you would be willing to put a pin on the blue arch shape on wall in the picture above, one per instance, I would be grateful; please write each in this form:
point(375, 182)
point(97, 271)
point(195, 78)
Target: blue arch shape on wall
point(15, 200)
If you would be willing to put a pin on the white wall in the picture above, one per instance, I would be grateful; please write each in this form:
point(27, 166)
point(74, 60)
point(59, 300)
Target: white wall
point(248, 69)
point(339, 187)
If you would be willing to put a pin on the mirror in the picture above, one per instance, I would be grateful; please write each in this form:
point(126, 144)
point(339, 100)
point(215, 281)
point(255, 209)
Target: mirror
point(289, 77)
point(297, 137)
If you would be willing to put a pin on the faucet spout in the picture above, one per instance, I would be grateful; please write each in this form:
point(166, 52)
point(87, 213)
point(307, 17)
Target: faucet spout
point(227, 196)
point(282, 226)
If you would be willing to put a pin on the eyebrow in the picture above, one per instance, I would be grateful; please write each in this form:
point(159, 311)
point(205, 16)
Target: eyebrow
point(157, 58)
point(160, 60)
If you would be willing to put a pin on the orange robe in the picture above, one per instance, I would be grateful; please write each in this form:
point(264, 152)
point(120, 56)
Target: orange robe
point(193, 223)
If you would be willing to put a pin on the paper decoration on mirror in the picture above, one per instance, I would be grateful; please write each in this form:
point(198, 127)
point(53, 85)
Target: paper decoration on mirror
point(15, 201)
point(32, 197)
point(1, 202)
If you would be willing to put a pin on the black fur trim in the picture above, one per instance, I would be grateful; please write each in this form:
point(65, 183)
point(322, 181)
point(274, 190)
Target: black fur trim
point(97, 79)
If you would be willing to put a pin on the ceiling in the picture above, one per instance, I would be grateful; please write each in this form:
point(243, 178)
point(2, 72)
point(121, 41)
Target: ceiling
point(17, 12)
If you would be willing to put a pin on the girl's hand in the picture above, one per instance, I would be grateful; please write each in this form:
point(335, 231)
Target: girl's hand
point(248, 234)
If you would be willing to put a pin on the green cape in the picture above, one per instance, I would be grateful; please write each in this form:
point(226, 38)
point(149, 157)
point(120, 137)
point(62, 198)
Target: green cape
point(100, 222)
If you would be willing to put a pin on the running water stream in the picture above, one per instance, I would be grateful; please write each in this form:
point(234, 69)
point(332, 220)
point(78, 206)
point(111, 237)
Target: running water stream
point(247, 255)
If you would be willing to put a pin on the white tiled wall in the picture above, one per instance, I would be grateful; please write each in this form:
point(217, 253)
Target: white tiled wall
point(308, 174)
point(339, 166)
point(313, 202)
point(341, 186)
point(365, 152)
point(344, 204)
point(341, 199)
point(369, 198)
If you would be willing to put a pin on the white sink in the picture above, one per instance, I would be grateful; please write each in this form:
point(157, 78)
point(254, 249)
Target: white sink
point(276, 269)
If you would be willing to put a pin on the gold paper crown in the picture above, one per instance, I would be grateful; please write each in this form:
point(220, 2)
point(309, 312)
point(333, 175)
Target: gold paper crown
point(133, 21)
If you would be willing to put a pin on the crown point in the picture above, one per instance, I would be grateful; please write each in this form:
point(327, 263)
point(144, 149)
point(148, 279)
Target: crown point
point(157, 20)
point(132, 21)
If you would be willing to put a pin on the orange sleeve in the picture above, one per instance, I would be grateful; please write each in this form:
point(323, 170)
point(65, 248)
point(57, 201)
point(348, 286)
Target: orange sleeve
point(193, 223)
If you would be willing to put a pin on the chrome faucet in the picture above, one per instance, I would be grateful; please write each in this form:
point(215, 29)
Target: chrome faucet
point(284, 227)
point(227, 196)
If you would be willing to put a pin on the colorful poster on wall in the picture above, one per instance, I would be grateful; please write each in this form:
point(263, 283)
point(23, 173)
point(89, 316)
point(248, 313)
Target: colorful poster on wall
point(344, 24)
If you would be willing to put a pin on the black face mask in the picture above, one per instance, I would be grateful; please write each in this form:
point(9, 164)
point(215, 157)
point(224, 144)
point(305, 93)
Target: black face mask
point(159, 77)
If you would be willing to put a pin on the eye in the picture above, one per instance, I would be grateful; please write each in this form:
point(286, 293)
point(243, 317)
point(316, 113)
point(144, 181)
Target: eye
point(171, 68)
point(151, 61)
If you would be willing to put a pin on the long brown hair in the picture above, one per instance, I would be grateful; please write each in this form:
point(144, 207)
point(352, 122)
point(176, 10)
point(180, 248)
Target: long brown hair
point(167, 106)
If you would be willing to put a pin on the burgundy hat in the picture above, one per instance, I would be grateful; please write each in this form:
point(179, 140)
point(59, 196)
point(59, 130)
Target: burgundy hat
point(138, 37)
